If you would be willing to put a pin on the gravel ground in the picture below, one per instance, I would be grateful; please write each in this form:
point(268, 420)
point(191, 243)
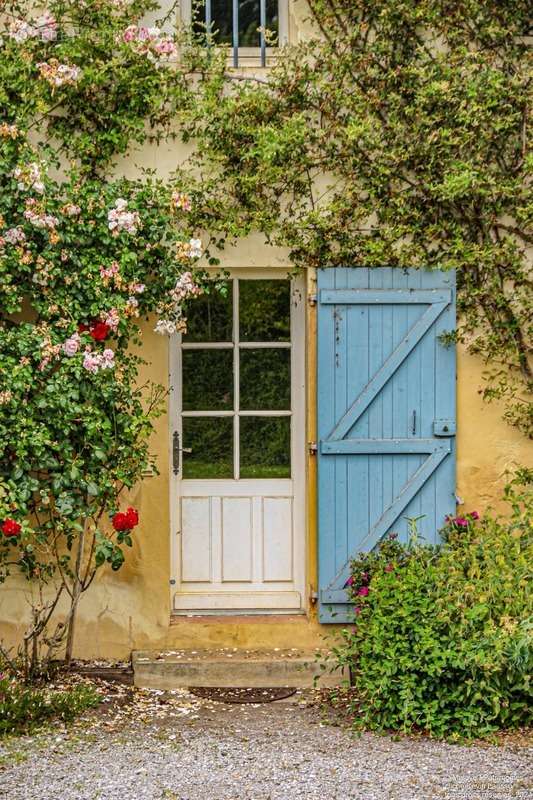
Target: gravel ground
point(186, 749)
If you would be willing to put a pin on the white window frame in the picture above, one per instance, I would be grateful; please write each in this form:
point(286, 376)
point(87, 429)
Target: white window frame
point(249, 56)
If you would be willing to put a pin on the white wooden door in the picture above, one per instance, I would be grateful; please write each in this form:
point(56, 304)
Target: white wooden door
point(238, 428)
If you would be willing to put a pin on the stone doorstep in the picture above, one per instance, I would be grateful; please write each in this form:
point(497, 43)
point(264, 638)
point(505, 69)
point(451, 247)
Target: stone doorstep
point(175, 669)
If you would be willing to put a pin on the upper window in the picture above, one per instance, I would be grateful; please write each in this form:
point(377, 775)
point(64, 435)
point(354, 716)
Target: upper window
point(248, 27)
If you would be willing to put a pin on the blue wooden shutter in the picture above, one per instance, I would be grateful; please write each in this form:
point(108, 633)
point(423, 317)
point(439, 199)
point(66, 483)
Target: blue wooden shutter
point(386, 414)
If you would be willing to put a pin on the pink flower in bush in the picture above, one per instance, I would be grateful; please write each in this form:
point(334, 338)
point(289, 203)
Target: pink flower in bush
point(108, 359)
point(71, 345)
point(363, 591)
point(130, 34)
point(349, 582)
point(91, 362)
point(112, 318)
point(461, 522)
point(357, 610)
point(106, 273)
point(474, 515)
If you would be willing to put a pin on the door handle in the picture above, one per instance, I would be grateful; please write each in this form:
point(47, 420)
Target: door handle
point(176, 452)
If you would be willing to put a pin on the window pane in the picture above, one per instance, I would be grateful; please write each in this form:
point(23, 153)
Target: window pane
point(265, 447)
point(210, 317)
point(249, 20)
point(211, 441)
point(264, 311)
point(265, 379)
point(207, 380)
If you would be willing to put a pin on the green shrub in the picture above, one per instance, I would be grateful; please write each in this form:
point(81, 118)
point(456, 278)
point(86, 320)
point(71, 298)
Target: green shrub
point(23, 708)
point(442, 640)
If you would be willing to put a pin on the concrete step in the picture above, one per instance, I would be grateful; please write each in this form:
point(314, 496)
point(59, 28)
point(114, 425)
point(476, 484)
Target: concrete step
point(174, 669)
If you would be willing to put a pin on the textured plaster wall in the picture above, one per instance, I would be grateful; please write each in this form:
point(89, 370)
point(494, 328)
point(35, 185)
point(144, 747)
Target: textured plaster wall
point(131, 609)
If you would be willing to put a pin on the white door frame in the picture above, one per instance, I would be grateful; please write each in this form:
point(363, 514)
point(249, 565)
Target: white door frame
point(298, 450)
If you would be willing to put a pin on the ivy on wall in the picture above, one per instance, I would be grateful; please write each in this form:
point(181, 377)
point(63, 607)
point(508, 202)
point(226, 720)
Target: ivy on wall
point(396, 135)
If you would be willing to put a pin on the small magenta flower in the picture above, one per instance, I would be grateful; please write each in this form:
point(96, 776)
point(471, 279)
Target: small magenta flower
point(461, 522)
point(363, 591)
point(357, 610)
point(474, 515)
point(349, 582)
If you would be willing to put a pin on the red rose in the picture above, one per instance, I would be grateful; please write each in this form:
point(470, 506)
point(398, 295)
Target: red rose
point(132, 516)
point(10, 527)
point(82, 327)
point(121, 522)
point(99, 331)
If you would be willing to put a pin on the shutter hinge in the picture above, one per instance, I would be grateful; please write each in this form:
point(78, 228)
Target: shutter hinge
point(313, 598)
point(312, 299)
point(313, 448)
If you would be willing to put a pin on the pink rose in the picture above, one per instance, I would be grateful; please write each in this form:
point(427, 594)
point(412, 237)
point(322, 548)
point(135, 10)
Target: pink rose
point(108, 359)
point(91, 362)
point(72, 345)
point(130, 33)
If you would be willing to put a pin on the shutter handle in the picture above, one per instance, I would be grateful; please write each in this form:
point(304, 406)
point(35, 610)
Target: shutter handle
point(414, 422)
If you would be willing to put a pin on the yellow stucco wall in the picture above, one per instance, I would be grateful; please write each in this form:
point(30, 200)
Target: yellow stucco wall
point(131, 609)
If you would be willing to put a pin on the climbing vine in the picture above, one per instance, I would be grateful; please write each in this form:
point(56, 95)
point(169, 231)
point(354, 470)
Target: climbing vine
point(395, 134)
point(85, 254)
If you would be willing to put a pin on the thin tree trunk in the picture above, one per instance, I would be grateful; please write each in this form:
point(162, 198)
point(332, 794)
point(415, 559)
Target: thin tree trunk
point(76, 594)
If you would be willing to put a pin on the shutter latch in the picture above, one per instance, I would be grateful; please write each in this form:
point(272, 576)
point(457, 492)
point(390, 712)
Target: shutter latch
point(444, 427)
point(313, 448)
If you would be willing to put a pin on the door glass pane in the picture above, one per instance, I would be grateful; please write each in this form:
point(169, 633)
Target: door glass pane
point(210, 317)
point(211, 441)
point(264, 311)
point(265, 379)
point(207, 380)
point(265, 447)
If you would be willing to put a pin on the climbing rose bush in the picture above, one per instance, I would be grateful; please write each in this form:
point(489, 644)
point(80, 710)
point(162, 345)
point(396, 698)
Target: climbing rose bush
point(85, 256)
